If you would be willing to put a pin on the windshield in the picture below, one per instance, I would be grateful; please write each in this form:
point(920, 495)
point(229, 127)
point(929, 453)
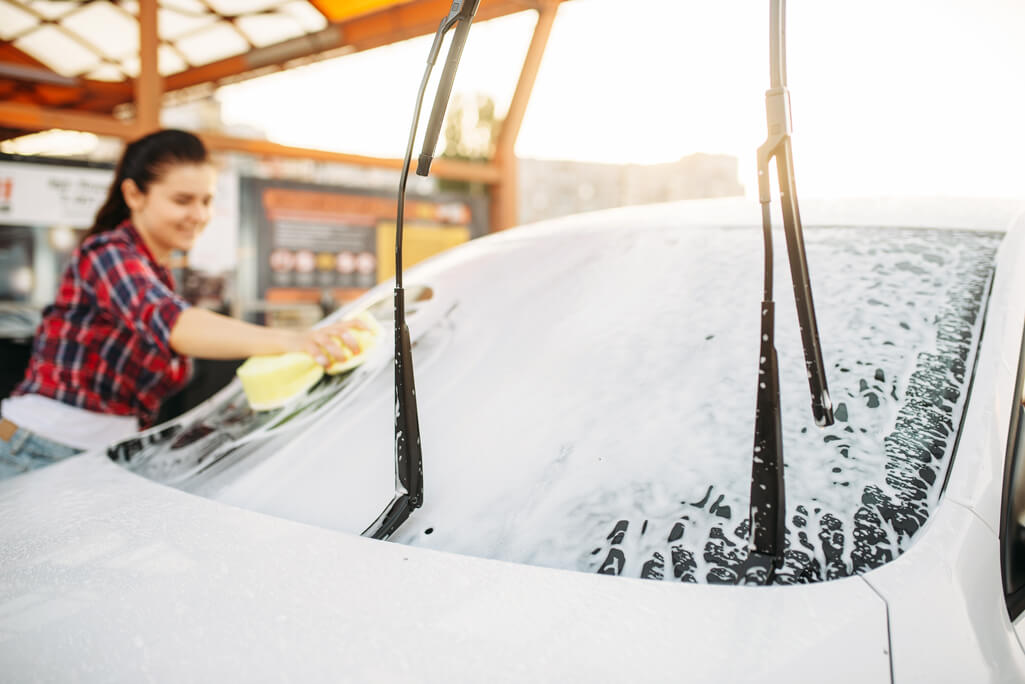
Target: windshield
point(587, 397)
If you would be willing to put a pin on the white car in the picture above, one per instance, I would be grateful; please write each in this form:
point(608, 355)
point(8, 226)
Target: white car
point(586, 393)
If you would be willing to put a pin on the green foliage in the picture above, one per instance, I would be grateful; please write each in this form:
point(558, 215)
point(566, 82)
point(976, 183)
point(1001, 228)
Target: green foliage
point(471, 133)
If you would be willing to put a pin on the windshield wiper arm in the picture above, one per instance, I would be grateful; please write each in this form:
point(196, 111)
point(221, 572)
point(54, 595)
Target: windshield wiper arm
point(768, 492)
point(408, 456)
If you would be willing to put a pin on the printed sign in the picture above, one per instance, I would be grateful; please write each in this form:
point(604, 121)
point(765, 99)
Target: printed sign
point(311, 239)
point(69, 196)
point(50, 195)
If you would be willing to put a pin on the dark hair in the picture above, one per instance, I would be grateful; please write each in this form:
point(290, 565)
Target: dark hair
point(144, 161)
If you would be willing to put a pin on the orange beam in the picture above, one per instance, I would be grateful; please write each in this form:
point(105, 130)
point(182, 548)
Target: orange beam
point(528, 76)
point(504, 195)
point(149, 85)
point(474, 172)
point(32, 118)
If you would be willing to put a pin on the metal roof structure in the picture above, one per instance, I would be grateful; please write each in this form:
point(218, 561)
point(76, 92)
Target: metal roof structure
point(105, 66)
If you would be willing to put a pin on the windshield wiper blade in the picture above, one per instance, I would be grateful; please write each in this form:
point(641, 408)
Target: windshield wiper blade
point(408, 455)
point(460, 16)
point(767, 515)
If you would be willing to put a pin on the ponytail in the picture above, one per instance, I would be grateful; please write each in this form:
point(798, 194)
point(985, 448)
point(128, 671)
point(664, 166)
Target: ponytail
point(144, 161)
point(114, 209)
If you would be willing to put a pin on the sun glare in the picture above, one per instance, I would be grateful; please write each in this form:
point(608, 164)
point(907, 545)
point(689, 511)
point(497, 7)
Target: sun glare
point(915, 97)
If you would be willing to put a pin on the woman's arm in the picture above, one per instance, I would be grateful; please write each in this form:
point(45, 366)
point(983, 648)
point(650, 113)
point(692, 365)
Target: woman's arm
point(124, 284)
point(208, 335)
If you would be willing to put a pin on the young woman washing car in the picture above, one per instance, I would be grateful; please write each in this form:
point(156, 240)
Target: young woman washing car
point(117, 340)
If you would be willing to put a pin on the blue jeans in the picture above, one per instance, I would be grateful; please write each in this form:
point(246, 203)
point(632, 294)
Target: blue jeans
point(26, 451)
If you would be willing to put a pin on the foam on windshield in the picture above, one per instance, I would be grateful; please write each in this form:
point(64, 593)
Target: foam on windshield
point(639, 459)
point(587, 402)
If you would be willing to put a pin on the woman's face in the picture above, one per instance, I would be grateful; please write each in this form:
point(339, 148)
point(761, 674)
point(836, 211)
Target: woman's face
point(175, 208)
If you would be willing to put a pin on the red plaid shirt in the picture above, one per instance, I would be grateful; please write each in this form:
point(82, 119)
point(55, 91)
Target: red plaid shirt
point(104, 345)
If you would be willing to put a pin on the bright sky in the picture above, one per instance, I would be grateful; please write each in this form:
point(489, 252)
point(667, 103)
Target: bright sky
point(889, 97)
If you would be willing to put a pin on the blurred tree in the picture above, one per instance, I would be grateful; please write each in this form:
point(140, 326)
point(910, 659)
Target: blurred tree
point(471, 132)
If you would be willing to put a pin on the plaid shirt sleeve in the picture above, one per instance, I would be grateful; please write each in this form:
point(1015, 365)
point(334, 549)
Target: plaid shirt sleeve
point(127, 287)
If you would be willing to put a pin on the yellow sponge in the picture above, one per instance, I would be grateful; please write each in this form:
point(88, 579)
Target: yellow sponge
point(272, 381)
point(367, 340)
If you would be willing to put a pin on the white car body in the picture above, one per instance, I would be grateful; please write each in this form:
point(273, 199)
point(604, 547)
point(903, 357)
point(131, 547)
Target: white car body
point(106, 575)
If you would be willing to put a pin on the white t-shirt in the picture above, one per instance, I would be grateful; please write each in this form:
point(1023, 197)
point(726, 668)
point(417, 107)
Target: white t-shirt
point(66, 424)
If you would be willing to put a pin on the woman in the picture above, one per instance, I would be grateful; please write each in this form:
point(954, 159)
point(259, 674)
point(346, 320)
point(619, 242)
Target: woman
point(116, 342)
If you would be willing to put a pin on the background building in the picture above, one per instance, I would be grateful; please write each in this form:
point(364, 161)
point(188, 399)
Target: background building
point(558, 188)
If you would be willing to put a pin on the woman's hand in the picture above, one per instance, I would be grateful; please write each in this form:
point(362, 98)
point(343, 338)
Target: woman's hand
point(324, 344)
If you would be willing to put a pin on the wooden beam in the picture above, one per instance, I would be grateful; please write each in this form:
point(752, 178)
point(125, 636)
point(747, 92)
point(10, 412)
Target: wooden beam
point(149, 86)
point(505, 193)
point(528, 76)
point(32, 118)
point(474, 172)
